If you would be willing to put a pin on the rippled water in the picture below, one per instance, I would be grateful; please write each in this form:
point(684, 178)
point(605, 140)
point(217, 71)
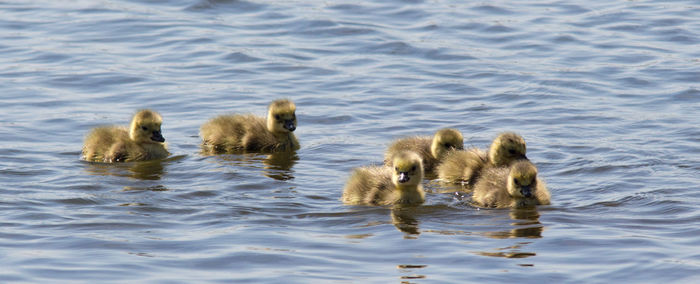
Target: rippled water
point(606, 95)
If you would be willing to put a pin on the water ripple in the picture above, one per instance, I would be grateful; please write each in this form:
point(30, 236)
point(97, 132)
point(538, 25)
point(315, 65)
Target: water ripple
point(604, 93)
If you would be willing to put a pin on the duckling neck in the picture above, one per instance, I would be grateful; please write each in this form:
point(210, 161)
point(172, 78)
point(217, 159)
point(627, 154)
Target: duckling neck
point(410, 194)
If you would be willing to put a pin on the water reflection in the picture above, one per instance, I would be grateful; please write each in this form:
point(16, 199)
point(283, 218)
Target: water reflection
point(525, 224)
point(275, 165)
point(408, 272)
point(146, 170)
point(279, 165)
point(403, 219)
point(146, 188)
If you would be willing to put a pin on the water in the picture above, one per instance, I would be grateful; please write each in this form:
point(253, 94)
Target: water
point(605, 94)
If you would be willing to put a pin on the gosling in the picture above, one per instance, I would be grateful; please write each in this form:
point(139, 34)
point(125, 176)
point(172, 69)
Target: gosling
point(462, 166)
point(250, 133)
point(430, 149)
point(465, 166)
point(384, 185)
point(507, 148)
point(142, 141)
point(516, 186)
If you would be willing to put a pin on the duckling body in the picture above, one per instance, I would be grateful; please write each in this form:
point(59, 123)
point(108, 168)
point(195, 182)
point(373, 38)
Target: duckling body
point(384, 185)
point(235, 133)
point(140, 142)
point(466, 166)
point(430, 149)
point(515, 186)
point(462, 166)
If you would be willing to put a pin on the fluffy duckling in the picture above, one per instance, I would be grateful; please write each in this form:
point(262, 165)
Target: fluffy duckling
point(234, 133)
point(383, 185)
point(142, 141)
point(506, 148)
point(430, 149)
point(462, 166)
point(514, 186)
point(466, 165)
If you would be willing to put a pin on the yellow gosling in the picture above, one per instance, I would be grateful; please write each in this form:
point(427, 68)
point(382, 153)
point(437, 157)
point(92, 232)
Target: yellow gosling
point(384, 185)
point(466, 165)
point(142, 141)
point(507, 148)
point(236, 133)
point(430, 149)
point(515, 186)
point(462, 166)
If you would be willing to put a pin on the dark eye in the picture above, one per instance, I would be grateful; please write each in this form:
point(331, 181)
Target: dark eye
point(294, 116)
point(144, 128)
point(511, 151)
point(396, 169)
point(515, 181)
point(448, 145)
point(277, 116)
point(413, 168)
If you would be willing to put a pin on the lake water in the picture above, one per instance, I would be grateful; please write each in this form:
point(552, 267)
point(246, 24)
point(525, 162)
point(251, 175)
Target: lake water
point(606, 94)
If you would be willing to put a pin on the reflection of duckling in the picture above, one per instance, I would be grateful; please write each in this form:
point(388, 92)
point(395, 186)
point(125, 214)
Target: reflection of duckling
point(385, 185)
point(279, 165)
point(517, 186)
point(404, 220)
point(142, 141)
point(430, 149)
point(465, 166)
point(232, 133)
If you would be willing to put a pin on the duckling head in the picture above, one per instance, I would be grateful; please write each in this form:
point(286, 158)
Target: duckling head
point(522, 180)
point(408, 169)
point(446, 140)
point(280, 117)
point(506, 148)
point(145, 127)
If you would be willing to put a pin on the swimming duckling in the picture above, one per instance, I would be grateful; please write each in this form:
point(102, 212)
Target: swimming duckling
point(514, 186)
point(142, 141)
point(506, 148)
point(462, 166)
point(233, 133)
point(465, 166)
point(384, 185)
point(430, 149)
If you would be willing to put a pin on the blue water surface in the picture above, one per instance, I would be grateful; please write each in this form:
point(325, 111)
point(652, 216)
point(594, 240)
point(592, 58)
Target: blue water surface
point(605, 93)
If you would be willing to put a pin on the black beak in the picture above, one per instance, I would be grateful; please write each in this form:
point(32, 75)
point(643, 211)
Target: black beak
point(289, 125)
point(403, 177)
point(526, 191)
point(157, 137)
point(523, 157)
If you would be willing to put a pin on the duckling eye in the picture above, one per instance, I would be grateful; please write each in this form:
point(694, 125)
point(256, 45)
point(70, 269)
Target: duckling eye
point(277, 116)
point(396, 169)
point(413, 168)
point(511, 151)
point(144, 128)
point(515, 181)
point(448, 145)
point(294, 116)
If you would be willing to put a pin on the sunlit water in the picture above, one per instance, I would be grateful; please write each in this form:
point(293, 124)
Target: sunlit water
point(606, 95)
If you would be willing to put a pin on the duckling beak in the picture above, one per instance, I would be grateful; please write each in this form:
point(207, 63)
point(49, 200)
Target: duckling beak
point(289, 125)
point(403, 177)
point(157, 137)
point(526, 191)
